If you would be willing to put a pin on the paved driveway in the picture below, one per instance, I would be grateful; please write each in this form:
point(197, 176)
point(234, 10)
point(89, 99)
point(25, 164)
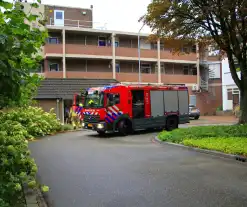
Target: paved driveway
point(85, 170)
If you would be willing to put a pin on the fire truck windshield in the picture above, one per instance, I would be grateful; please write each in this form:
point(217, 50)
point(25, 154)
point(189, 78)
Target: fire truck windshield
point(94, 101)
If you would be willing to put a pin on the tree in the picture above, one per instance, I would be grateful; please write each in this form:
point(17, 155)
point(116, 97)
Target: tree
point(221, 22)
point(19, 47)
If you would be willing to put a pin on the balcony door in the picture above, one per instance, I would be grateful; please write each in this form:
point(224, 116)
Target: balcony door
point(58, 17)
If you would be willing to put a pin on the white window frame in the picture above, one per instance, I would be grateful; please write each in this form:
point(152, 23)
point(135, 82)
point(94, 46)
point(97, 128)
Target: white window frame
point(195, 99)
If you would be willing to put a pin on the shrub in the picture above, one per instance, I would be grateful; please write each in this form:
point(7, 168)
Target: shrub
point(219, 108)
point(230, 145)
point(203, 132)
point(237, 111)
point(34, 121)
point(17, 167)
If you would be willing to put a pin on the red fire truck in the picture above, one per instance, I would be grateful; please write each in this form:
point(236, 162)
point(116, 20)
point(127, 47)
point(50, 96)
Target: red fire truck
point(126, 108)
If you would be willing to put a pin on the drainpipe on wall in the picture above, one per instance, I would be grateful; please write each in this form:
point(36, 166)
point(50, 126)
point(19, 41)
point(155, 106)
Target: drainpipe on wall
point(198, 64)
point(113, 56)
point(64, 60)
point(159, 71)
point(62, 111)
point(139, 55)
point(57, 111)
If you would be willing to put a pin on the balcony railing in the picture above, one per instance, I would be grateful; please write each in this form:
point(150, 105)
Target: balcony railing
point(170, 79)
point(88, 50)
point(82, 49)
point(53, 48)
point(78, 74)
point(133, 52)
point(182, 56)
point(50, 74)
point(133, 77)
point(79, 24)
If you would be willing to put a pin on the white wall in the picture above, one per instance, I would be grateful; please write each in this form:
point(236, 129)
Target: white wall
point(227, 82)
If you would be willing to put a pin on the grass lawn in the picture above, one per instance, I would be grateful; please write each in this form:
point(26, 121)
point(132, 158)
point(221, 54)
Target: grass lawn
point(227, 139)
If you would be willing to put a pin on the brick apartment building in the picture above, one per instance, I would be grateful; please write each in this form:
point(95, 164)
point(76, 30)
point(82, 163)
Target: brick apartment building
point(77, 53)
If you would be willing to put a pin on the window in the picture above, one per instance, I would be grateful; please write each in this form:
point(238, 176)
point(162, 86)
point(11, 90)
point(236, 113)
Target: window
point(186, 70)
point(154, 46)
point(185, 49)
point(193, 100)
point(94, 100)
point(53, 40)
point(113, 99)
point(214, 71)
point(116, 44)
point(54, 67)
point(235, 91)
point(194, 48)
point(229, 94)
point(146, 68)
point(194, 71)
point(117, 68)
point(59, 15)
point(102, 41)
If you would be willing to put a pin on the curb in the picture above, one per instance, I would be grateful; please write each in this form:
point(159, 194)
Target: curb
point(50, 135)
point(34, 198)
point(211, 152)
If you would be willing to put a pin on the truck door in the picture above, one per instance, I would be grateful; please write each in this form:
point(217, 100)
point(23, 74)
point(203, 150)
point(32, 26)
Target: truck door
point(138, 109)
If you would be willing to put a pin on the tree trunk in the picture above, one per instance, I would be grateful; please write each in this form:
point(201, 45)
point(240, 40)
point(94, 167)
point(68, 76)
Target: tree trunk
point(243, 106)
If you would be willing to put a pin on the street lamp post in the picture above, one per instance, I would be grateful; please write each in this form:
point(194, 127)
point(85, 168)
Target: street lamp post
point(139, 54)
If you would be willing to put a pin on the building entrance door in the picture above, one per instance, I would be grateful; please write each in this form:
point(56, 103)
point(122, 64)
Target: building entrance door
point(58, 17)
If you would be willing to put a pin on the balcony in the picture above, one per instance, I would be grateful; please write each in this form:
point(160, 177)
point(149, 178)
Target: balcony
point(53, 49)
point(55, 74)
point(76, 23)
point(177, 57)
point(171, 79)
point(78, 74)
point(134, 77)
point(133, 53)
point(74, 49)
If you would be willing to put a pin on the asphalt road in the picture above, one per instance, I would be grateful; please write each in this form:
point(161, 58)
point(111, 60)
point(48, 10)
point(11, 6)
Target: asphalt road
point(83, 170)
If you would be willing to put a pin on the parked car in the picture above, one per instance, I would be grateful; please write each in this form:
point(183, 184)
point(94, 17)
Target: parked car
point(194, 112)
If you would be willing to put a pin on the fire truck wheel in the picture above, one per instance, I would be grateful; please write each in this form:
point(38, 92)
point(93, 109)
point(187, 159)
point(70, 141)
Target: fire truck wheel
point(124, 127)
point(171, 123)
point(101, 133)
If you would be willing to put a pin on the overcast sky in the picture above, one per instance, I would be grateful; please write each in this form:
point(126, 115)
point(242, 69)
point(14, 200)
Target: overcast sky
point(119, 15)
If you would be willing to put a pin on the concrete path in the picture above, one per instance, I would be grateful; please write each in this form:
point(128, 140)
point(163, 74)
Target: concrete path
point(83, 169)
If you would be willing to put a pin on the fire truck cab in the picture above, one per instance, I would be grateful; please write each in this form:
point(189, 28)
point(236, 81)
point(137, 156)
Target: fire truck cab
point(126, 108)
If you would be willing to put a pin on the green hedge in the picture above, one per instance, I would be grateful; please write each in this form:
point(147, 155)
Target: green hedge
point(228, 139)
point(36, 121)
point(230, 145)
point(178, 135)
point(16, 165)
